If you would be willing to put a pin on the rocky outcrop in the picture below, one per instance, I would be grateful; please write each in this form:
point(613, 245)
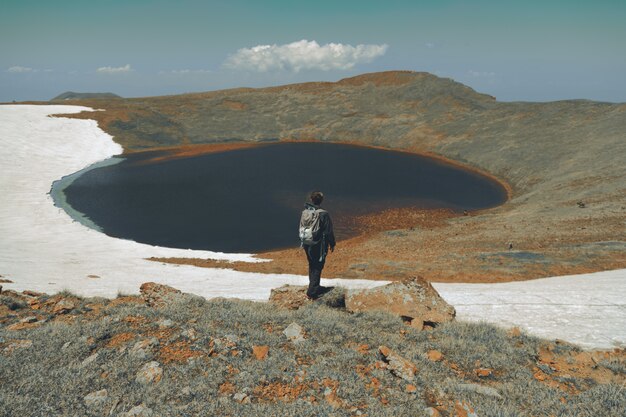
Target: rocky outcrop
point(291, 297)
point(415, 300)
point(158, 295)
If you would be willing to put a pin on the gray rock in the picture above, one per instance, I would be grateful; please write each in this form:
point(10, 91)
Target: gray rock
point(138, 411)
point(165, 323)
point(398, 365)
point(240, 397)
point(18, 344)
point(480, 389)
point(90, 359)
point(294, 332)
point(96, 398)
point(141, 349)
point(151, 372)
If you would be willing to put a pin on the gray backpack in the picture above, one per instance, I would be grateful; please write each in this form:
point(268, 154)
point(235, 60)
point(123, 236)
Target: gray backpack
point(310, 226)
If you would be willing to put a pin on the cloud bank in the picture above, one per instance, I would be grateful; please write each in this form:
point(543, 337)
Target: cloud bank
point(114, 70)
point(19, 69)
point(303, 55)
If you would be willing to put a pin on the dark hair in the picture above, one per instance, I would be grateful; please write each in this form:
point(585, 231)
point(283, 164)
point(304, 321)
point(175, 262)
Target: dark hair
point(317, 197)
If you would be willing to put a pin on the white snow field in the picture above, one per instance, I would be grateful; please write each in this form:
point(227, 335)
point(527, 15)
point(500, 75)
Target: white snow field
point(43, 249)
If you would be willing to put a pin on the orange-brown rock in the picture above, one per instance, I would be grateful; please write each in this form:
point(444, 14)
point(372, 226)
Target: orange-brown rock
point(483, 372)
point(157, 295)
point(291, 297)
point(398, 365)
point(434, 355)
point(463, 409)
point(414, 298)
point(260, 352)
point(514, 332)
point(63, 306)
point(410, 389)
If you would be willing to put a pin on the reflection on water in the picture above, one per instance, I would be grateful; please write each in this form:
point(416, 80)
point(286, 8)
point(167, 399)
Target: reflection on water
point(249, 200)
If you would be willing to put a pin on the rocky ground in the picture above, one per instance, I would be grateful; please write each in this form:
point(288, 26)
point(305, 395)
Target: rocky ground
point(561, 161)
point(394, 350)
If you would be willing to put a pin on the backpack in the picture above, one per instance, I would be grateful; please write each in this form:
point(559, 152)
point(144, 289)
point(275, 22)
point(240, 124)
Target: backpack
point(310, 226)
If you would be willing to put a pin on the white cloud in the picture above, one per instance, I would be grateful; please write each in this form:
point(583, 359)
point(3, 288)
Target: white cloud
point(114, 70)
point(185, 72)
point(481, 74)
point(303, 55)
point(17, 69)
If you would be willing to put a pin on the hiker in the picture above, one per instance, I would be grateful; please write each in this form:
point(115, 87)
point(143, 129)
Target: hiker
point(316, 237)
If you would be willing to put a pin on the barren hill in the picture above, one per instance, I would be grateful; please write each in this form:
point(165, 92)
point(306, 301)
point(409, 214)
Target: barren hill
point(562, 160)
point(70, 95)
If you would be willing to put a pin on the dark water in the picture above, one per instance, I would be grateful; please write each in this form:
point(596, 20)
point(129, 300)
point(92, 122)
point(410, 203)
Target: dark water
point(249, 200)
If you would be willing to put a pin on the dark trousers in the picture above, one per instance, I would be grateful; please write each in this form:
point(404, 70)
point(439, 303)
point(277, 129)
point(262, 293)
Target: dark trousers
point(315, 268)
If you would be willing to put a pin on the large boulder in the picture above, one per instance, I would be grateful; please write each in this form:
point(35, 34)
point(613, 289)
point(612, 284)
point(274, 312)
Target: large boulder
point(291, 297)
point(414, 299)
point(158, 295)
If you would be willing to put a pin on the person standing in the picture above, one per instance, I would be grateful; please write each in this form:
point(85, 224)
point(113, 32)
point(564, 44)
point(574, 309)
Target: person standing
point(316, 237)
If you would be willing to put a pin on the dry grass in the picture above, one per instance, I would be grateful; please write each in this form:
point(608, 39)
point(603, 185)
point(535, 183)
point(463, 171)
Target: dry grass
point(205, 350)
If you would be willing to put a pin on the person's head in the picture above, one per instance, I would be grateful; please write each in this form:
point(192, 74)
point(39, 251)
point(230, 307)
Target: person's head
point(317, 197)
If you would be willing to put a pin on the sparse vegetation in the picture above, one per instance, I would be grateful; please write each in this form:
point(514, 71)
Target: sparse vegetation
point(205, 349)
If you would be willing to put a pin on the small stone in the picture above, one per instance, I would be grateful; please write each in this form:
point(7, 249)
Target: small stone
point(64, 306)
point(463, 409)
point(90, 359)
point(432, 412)
point(140, 349)
point(18, 344)
point(190, 334)
point(29, 319)
point(514, 332)
point(240, 397)
point(23, 325)
point(294, 332)
point(260, 352)
point(96, 398)
point(483, 372)
point(481, 389)
point(411, 389)
point(333, 399)
point(434, 355)
point(165, 323)
point(151, 372)
point(397, 364)
point(138, 411)
point(417, 324)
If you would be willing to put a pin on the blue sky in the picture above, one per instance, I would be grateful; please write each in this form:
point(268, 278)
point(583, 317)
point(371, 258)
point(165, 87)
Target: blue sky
point(515, 50)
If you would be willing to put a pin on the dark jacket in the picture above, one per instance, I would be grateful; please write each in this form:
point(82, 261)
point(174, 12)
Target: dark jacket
point(326, 228)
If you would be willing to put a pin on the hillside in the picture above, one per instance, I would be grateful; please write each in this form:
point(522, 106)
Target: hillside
point(70, 95)
point(563, 163)
point(181, 355)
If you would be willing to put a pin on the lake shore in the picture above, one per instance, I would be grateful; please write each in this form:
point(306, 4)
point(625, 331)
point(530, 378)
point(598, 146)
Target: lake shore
point(42, 249)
